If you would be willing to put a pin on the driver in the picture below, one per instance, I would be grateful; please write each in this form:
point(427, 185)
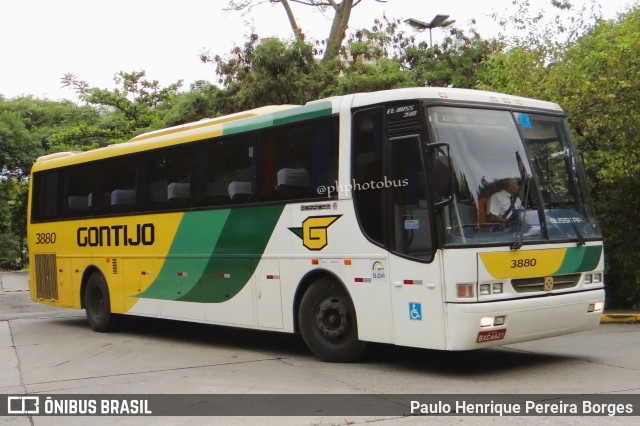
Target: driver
point(503, 204)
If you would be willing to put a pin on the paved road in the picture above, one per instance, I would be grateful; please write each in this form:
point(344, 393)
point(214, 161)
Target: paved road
point(45, 350)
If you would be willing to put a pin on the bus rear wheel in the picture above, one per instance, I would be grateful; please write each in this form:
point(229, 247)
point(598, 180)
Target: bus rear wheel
point(97, 304)
point(327, 321)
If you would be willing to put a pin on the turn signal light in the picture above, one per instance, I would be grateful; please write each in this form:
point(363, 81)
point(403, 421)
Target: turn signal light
point(465, 291)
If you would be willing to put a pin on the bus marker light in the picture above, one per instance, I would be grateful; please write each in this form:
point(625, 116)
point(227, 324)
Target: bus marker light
point(362, 280)
point(314, 261)
point(347, 262)
point(273, 277)
point(485, 289)
point(223, 275)
point(183, 274)
point(496, 288)
point(464, 291)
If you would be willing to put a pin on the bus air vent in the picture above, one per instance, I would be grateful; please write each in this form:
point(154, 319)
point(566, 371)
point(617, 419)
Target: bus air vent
point(46, 277)
point(531, 285)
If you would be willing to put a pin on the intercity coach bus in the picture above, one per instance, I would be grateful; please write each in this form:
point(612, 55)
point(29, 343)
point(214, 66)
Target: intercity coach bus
point(354, 219)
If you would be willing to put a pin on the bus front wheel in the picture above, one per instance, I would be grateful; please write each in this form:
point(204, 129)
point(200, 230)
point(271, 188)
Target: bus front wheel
point(97, 304)
point(328, 322)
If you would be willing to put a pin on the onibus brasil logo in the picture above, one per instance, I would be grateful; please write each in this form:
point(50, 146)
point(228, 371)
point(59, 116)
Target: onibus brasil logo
point(314, 231)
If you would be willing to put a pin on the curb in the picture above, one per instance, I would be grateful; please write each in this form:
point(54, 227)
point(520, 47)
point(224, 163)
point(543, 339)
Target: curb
point(630, 318)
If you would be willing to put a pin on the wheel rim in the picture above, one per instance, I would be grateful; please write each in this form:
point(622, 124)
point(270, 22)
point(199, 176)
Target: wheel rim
point(332, 319)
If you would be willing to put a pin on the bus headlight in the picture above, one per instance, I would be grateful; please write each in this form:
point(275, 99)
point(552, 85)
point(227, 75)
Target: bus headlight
point(492, 321)
point(489, 289)
point(593, 278)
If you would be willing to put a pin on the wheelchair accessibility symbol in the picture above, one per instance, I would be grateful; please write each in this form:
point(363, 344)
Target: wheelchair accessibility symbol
point(415, 311)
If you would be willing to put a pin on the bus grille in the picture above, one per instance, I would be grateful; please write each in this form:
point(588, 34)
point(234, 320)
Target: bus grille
point(530, 285)
point(46, 277)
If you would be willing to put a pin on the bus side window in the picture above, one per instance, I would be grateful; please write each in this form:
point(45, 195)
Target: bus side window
point(78, 188)
point(299, 158)
point(45, 196)
point(166, 178)
point(224, 171)
point(367, 166)
point(116, 184)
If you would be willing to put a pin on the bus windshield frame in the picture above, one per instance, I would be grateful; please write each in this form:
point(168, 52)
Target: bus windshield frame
point(531, 151)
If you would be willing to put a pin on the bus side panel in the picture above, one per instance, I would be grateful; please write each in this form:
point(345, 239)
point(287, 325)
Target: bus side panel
point(324, 237)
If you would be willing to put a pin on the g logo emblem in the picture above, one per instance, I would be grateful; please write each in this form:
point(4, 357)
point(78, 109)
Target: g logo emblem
point(314, 231)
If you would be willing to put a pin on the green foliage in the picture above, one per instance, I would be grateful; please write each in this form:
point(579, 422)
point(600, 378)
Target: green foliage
point(265, 72)
point(136, 105)
point(12, 218)
point(200, 102)
point(455, 63)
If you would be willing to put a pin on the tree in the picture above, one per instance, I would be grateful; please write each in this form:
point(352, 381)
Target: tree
point(134, 106)
point(265, 72)
point(337, 33)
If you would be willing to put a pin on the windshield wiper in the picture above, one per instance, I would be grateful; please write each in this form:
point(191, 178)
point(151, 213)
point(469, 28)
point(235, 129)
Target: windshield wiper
point(521, 220)
point(572, 221)
point(524, 177)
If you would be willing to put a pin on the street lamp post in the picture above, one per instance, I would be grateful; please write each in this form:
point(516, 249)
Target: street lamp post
point(441, 21)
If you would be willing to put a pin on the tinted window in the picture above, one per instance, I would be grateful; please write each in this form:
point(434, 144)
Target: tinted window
point(367, 166)
point(297, 159)
point(225, 171)
point(166, 178)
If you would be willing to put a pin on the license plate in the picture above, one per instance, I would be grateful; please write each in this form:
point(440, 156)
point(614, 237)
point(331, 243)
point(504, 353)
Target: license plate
point(491, 335)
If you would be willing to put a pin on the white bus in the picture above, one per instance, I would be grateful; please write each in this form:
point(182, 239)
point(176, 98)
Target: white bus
point(371, 217)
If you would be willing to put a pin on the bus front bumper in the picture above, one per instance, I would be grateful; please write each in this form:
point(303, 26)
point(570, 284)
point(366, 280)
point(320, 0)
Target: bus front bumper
point(522, 320)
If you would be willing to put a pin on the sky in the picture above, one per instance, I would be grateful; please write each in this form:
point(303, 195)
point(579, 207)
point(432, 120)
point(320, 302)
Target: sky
point(42, 40)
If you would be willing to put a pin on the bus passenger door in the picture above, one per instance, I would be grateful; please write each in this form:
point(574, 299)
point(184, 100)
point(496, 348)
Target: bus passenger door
point(416, 282)
point(267, 296)
point(416, 295)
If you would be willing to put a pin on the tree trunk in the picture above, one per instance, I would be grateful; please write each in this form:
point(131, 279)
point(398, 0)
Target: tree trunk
point(338, 29)
point(292, 19)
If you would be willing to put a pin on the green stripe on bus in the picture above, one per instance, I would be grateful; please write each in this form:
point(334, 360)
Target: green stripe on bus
point(235, 258)
point(194, 241)
point(580, 259)
point(306, 112)
point(233, 246)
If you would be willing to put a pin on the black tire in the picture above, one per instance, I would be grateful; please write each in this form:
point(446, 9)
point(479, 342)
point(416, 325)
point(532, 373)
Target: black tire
point(328, 322)
point(98, 305)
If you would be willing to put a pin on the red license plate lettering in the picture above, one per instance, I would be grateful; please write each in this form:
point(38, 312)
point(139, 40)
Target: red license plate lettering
point(491, 335)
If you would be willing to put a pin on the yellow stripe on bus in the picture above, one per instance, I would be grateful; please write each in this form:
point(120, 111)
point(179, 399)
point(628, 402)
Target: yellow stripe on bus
point(523, 264)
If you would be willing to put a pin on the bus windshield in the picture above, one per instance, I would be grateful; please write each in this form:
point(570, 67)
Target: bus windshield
point(518, 178)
